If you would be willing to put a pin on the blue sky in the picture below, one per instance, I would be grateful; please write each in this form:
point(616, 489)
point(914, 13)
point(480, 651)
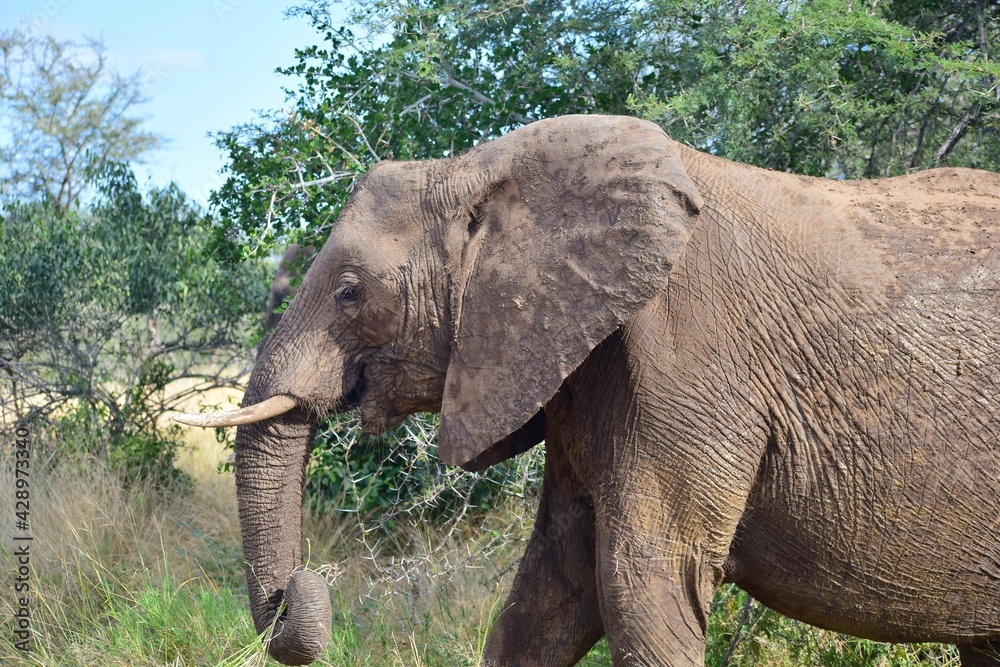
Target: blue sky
point(207, 64)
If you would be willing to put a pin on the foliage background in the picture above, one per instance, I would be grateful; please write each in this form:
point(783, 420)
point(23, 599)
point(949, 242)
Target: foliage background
point(106, 305)
point(839, 88)
point(110, 294)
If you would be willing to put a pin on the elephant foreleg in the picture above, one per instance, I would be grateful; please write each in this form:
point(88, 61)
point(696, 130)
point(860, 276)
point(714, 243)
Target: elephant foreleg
point(552, 616)
point(654, 602)
point(980, 655)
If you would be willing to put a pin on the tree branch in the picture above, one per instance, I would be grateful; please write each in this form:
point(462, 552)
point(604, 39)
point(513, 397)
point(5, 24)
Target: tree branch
point(956, 134)
point(335, 176)
point(415, 107)
point(447, 80)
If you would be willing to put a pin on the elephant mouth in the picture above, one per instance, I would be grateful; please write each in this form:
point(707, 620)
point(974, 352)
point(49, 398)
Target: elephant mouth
point(352, 399)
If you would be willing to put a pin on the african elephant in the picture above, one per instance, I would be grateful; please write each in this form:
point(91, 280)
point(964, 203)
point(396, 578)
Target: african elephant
point(743, 376)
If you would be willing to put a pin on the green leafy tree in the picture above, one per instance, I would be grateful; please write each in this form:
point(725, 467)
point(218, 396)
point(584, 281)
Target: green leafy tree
point(62, 105)
point(101, 307)
point(828, 87)
point(452, 74)
point(843, 88)
point(104, 300)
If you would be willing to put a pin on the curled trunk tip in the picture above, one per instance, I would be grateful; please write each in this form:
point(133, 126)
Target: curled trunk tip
point(302, 633)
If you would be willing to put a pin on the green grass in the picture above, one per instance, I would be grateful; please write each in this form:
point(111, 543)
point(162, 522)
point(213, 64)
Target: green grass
point(187, 623)
point(128, 576)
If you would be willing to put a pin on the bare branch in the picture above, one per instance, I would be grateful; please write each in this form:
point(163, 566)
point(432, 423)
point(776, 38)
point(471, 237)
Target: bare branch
point(956, 134)
point(336, 176)
point(415, 107)
point(448, 80)
point(361, 133)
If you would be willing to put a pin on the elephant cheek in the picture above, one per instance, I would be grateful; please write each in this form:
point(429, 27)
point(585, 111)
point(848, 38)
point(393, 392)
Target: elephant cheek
point(376, 419)
point(379, 322)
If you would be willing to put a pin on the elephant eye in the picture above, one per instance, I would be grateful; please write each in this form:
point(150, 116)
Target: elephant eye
point(348, 293)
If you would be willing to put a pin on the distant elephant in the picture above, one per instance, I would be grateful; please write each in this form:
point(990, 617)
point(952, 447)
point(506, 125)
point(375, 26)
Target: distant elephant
point(293, 263)
point(788, 383)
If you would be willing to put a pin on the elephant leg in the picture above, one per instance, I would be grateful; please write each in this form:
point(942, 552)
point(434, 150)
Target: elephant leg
point(654, 603)
point(552, 616)
point(980, 655)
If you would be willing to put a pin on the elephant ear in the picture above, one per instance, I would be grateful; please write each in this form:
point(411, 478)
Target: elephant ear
point(572, 226)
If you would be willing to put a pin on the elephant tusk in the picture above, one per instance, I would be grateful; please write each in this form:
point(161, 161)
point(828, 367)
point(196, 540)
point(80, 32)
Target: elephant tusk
point(272, 407)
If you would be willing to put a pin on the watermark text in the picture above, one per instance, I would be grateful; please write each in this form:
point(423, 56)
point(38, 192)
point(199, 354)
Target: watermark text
point(22, 539)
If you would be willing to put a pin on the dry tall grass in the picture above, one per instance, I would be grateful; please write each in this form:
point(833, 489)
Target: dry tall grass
point(101, 545)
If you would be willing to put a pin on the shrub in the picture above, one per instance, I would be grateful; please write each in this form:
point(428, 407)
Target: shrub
point(381, 477)
point(103, 307)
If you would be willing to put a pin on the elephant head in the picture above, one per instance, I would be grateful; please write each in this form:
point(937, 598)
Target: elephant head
point(472, 287)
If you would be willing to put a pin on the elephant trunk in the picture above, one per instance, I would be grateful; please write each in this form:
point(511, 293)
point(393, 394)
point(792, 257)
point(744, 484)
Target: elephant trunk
point(271, 457)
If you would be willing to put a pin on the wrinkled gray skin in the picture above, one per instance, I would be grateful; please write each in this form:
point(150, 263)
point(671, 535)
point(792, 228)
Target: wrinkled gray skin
point(742, 376)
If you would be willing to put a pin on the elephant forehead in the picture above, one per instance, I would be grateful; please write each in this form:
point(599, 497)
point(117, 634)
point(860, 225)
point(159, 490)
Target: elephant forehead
point(382, 224)
point(370, 251)
point(387, 199)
